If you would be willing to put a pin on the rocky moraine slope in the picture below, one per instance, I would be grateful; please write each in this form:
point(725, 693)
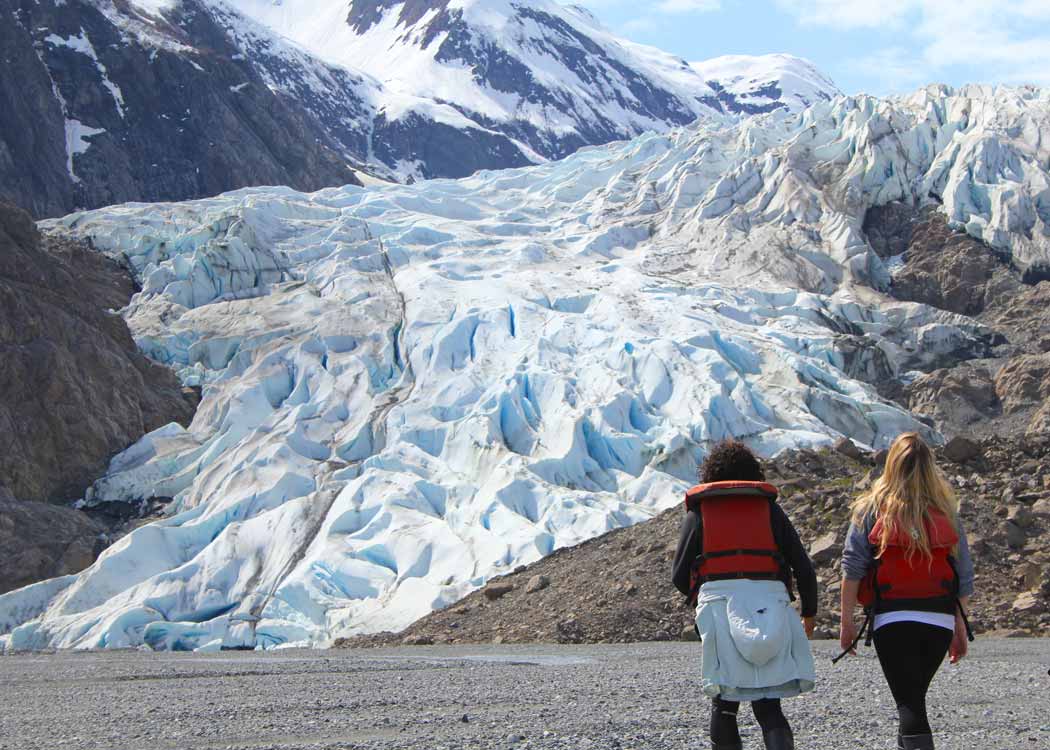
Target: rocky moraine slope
point(617, 588)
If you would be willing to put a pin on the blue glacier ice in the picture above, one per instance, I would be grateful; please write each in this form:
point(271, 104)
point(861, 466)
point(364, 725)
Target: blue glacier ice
point(409, 389)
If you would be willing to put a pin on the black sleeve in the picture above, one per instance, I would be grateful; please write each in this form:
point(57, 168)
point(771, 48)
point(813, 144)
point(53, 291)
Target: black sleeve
point(798, 560)
point(688, 549)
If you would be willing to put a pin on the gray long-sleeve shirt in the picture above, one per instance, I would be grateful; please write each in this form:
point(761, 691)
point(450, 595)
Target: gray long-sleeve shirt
point(858, 556)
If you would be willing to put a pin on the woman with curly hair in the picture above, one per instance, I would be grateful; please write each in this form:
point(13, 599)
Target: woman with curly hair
point(907, 561)
point(737, 555)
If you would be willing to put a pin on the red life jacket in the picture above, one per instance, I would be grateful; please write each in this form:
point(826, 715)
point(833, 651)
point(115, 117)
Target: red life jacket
point(922, 583)
point(737, 539)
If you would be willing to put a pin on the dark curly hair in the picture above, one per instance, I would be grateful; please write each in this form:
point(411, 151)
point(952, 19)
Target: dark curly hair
point(730, 461)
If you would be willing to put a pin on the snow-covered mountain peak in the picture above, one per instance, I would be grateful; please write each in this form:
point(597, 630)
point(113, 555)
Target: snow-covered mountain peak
point(406, 89)
point(765, 82)
point(547, 75)
point(534, 67)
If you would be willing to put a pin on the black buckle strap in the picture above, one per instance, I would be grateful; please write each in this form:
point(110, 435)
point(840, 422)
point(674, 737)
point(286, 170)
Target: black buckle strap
point(754, 576)
point(864, 629)
point(733, 552)
point(966, 620)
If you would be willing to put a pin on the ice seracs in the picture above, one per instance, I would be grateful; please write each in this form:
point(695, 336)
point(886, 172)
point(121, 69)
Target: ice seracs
point(411, 388)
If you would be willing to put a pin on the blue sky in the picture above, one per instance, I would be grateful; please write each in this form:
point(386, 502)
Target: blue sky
point(874, 46)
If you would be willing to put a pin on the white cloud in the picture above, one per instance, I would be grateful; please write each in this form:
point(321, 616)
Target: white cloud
point(848, 14)
point(893, 68)
point(688, 6)
point(1006, 40)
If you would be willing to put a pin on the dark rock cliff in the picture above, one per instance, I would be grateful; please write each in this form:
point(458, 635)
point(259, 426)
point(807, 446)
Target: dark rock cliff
point(89, 116)
point(74, 390)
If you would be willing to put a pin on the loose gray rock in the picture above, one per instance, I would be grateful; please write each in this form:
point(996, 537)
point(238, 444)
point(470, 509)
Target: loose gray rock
point(1015, 535)
point(960, 450)
point(537, 583)
point(418, 640)
point(1029, 602)
point(497, 591)
point(1041, 508)
point(825, 549)
point(1020, 515)
point(848, 448)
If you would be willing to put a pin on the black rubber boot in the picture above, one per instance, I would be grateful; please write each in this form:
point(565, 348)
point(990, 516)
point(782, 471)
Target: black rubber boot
point(724, 732)
point(917, 742)
point(779, 739)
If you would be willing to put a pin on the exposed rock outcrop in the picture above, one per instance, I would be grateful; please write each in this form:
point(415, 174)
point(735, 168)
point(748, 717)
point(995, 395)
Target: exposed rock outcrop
point(963, 396)
point(1023, 387)
point(74, 388)
point(1025, 316)
point(39, 541)
point(944, 267)
point(92, 115)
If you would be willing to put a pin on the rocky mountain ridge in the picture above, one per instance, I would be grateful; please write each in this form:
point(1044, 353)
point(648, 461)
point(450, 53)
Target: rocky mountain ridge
point(104, 102)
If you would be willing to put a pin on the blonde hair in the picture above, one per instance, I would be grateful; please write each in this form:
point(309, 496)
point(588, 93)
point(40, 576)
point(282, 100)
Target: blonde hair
point(910, 487)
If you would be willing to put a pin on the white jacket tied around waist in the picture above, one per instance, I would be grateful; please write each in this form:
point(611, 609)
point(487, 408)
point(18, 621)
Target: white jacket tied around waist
point(753, 642)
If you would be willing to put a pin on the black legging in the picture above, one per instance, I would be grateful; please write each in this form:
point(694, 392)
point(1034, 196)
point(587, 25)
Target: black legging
point(910, 654)
point(724, 728)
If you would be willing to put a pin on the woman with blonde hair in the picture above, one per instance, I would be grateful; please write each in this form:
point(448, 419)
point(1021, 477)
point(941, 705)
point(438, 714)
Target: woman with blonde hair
point(907, 561)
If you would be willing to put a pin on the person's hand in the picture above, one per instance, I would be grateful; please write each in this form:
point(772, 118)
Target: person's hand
point(809, 624)
point(848, 634)
point(960, 643)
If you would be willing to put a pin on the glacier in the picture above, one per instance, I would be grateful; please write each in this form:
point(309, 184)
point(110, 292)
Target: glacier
point(410, 389)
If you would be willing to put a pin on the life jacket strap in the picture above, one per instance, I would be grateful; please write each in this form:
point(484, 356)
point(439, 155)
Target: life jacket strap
point(742, 575)
point(700, 580)
point(731, 552)
point(941, 604)
point(865, 632)
point(965, 619)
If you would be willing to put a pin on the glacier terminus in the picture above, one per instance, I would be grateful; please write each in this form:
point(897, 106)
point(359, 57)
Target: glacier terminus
point(410, 389)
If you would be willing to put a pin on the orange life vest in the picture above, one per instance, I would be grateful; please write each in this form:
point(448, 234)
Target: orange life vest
point(921, 583)
point(737, 539)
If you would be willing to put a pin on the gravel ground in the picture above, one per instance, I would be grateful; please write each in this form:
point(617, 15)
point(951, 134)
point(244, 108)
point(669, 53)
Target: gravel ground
point(515, 697)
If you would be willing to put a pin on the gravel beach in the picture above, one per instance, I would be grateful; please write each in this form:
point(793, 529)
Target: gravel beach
point(603, 696)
